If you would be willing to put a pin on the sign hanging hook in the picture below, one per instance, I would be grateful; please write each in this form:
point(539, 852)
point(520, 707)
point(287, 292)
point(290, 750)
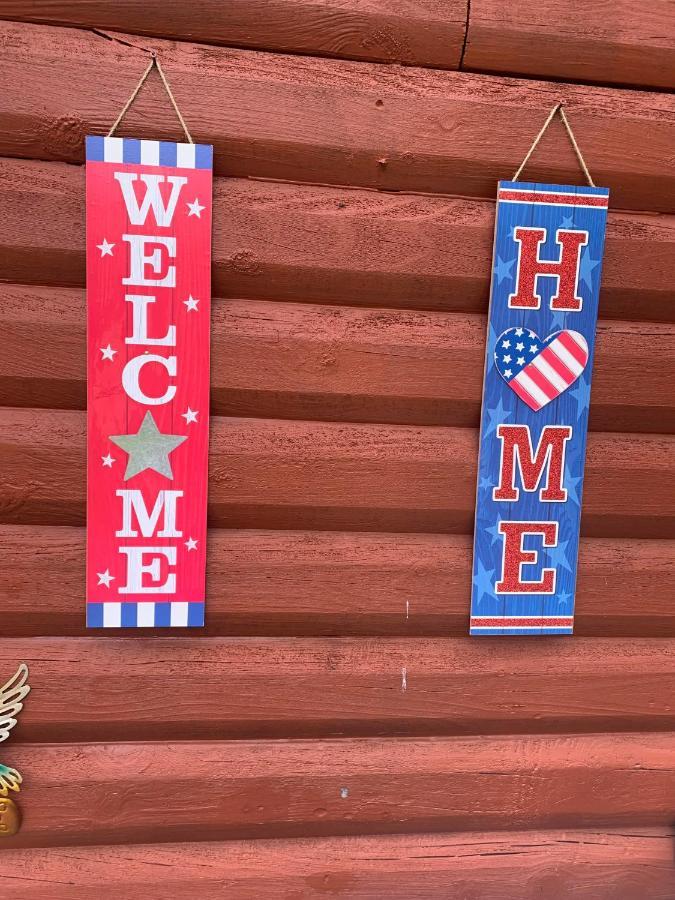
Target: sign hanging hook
point(153, 62)
point(558, 108)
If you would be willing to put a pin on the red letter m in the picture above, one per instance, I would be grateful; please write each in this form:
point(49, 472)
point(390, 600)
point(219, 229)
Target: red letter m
point(517, 444)
point(565, 269)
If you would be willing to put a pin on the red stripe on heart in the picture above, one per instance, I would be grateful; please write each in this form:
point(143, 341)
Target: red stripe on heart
point(523, 394)
point(542, 382)
point(573, 347)
point(556, 363)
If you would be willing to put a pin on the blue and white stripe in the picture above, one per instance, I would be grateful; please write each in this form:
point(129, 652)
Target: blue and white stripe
point(171, 614)
point(149, 153)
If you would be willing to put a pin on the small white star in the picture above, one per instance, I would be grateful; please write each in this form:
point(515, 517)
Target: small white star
point(190, 415)
point(105, 248)
point(520, 361)
point(108, 352)
point(520, 346)
point(533, 348)
point(105, 578)
point(507, 358)
point(108, 461)
point(191, 544)
point(532, 334)
point(195, 208)
point(507, 373)
point(191, 304)
point(519, 332)
point(506, 344)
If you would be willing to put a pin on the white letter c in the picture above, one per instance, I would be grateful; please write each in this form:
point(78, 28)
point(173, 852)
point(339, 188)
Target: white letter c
point(132, 372)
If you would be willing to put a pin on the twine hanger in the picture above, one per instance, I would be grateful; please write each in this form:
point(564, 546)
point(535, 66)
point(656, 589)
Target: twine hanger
point(153, 62)
point(558, 108)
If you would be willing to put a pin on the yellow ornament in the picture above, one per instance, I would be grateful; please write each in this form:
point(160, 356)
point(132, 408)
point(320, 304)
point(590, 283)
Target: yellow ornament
point(10, 817)
point(11, 703)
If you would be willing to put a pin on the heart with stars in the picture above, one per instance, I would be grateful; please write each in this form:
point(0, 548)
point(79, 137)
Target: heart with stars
point(539, 370)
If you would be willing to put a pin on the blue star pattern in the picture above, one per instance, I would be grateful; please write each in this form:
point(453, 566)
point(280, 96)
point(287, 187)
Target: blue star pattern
point(512, 332)
point(557, 557)
point(496, 416)
point(586, 267)
point(582, 394)
point(491, 340)
point(564, 598)
point(494, 531)
point(503, 269)
point(483, 581)
point(558, 320)
point(571, 485)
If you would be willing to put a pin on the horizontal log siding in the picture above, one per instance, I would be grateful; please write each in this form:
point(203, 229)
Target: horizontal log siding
point(309, 119)
point(331, 245)
point(97, 793)
point(337, 583)
point(335, 698)
point(597, 864)
point(135, 688)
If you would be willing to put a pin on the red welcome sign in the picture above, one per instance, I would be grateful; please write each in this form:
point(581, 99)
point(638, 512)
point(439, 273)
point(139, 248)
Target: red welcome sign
point(148, 314)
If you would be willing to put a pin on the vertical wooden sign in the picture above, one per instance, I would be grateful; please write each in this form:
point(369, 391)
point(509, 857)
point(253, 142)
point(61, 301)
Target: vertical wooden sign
point(548, 250)
point(148, 317)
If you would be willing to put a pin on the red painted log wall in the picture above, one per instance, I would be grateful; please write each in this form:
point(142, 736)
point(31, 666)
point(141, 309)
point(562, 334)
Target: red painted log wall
point(335, 731)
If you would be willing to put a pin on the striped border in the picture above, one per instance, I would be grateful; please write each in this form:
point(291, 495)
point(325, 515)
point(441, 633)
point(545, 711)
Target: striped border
point(521, 625)
point(588, 201)
point(522, 632)
point(554, 198)
point(521, 621)
point(149, 153)
point(172, 614)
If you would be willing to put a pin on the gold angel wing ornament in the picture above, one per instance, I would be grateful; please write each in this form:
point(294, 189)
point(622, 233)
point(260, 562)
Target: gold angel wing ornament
point(12, 696)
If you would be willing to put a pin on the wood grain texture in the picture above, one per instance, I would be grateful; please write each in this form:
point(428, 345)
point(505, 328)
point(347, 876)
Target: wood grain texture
point(283, 729)
point(302, 361)
point(597, 864)
point(132, 688)
point(132, 793)
point(615, 42)
point(327, 121)
point(344, 476)
point(313, 583)
point(331, 245)
point(421, 32)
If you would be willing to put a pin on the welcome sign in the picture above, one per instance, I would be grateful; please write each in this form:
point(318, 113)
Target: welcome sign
point(148, 316)
point(548, 250)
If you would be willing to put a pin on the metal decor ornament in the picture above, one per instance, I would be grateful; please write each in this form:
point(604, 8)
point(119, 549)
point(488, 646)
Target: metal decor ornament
point(548, 249)
point(12, 696)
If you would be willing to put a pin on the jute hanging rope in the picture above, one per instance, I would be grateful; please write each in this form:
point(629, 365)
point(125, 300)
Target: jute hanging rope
point(558, 108)
point(153, 62)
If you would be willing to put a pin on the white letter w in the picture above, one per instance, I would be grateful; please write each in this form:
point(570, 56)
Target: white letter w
point(153, 198)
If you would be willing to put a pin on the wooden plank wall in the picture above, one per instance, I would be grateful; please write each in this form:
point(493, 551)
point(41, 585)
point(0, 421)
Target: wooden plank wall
point(334, 731)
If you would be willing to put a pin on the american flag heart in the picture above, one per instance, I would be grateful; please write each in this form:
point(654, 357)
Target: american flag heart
point(539, 371)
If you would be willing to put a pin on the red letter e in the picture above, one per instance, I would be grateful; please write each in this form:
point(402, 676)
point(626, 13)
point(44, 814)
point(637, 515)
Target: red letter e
point(515, 558)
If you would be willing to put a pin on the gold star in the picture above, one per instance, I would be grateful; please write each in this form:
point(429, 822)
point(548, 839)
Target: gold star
point(148, 448)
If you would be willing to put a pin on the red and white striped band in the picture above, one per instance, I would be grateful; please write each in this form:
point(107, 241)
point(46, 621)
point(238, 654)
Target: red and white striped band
point(522, 621)
point(511, 195)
